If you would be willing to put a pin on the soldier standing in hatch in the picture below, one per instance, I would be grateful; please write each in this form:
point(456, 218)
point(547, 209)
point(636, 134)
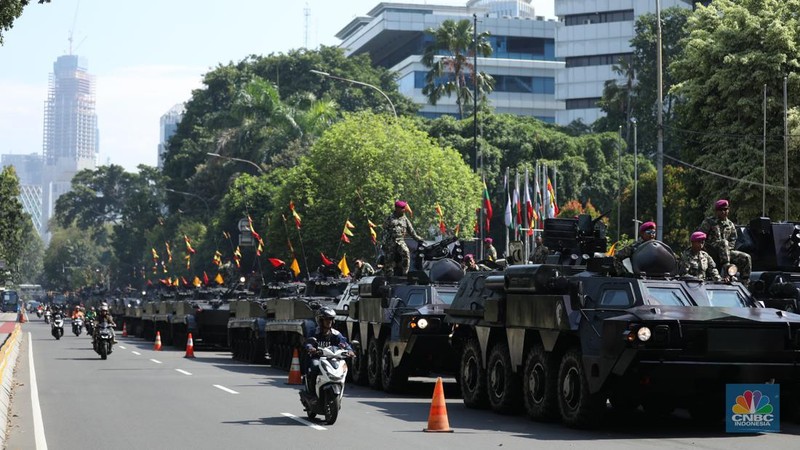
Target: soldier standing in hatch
point(489, 252)
point(395, 228)
point(647, 232)
point(540, 252)
point(722, 238)
point(696, 262)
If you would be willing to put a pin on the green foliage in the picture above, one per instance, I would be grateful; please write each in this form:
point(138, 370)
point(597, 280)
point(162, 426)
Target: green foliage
point(732, 50)
point(10, 10)
point(356, 171)
point(13, 223)
point(73, 260)
point(449, 58)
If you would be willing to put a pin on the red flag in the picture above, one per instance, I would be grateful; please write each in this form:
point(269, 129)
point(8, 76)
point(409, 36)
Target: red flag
point(276, 262)
point(325, 259)
point(345, 239)
point(189, 248)
point(487, 205)
point(255, 235)
point(205, 278)
point(185, 283)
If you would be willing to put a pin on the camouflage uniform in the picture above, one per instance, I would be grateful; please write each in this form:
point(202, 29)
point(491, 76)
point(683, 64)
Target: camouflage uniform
point(395, 250)
point(720, 243)
point(364, 271)
point(539, 255)
point(490, 253)
point(699, 265)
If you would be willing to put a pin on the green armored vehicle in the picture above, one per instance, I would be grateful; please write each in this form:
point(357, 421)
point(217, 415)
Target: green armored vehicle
point(560, 340)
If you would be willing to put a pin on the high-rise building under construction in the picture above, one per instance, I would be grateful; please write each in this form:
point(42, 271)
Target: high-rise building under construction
point(70, 130)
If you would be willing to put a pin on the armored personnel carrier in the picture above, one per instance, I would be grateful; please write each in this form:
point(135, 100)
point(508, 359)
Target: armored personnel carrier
point(246, 327)
point(399, 322)
point(559, 340)
point(294, 317)
point(775, 252)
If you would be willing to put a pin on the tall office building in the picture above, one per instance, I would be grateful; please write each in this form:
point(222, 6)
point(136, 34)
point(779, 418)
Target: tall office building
point(29, 172)
point(523, 62)
point(168, 126)
point(70, 130)
point(592, 37)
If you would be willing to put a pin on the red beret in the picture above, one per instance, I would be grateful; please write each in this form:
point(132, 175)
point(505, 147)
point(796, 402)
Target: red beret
point(698, 236)
point(488, 240)
point(400, 204)
point(647, 226)
point(721, 204)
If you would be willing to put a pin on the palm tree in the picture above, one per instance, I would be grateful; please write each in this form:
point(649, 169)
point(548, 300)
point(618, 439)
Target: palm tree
point(449, 60)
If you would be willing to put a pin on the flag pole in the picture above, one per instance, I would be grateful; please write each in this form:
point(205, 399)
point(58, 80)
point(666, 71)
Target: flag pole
point(505, 212)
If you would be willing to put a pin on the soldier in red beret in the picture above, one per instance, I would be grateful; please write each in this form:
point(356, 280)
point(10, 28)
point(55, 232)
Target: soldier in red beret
point(721, 240)
point(489, 252)
point(395, 228)
point(696, 262)
point(647, 232)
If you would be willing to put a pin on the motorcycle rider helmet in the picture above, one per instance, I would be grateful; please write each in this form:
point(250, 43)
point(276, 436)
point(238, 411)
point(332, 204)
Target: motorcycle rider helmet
point(104, 307)
point(326, 313)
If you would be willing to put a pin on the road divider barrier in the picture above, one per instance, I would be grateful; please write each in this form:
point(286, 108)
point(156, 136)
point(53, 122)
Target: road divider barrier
point(189, 347)
point(437, 419)
point(157, 346)
point(8, 359)
point(295, 377)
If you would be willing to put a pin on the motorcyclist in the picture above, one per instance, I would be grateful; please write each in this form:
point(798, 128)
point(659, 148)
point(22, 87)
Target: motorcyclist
point(104, 316)
point(326, 336)
point(91, 314)
point(77, 313)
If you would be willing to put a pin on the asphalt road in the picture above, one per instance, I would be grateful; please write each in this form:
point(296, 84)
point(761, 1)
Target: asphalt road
point(141, 398)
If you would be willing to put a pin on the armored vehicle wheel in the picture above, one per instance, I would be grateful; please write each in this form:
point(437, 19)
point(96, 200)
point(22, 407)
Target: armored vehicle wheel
point(502, 383)
point(657, 405)
point(579, 408)
point(392, 378)
point(358, 368)
point(540, 385)
point(374, 363)
point(707, 410)
point(472, 376)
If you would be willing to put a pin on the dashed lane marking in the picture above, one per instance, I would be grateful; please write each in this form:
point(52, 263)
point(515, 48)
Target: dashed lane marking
point(156, 361)
point(304, 422)
point(136, 353)
point(183, 371)
point(230, 391)
point(122, 347)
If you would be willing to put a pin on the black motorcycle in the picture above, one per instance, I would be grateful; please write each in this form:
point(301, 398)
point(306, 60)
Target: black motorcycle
point(104, 340)
point(57, 327)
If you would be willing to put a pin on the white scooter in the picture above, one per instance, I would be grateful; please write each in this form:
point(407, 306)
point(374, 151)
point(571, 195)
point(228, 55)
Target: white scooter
point(77, 326)
point(57, 327)
point(329, 386)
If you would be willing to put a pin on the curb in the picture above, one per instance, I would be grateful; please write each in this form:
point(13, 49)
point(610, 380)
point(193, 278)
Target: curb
point(8, 360)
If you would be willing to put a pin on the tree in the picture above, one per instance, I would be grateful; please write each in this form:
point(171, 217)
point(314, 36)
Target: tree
point(355, 172)
point(733, 49)
point(72, 260)
point(10, 10)
point(449, 59)
point(12, 221)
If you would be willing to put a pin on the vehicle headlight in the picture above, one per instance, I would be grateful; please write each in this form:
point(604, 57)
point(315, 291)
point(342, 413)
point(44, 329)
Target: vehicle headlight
point(732, 270)
point(643, 334)
point(422, 323)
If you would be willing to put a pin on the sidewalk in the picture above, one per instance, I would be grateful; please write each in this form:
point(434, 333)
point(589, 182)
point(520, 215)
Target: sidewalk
point(10, 339)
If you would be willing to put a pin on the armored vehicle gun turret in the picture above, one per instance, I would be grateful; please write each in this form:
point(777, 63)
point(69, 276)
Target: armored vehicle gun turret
point(560, 340)
point(775, 252)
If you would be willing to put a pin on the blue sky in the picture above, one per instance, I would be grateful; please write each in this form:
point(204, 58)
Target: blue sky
point(148, 55)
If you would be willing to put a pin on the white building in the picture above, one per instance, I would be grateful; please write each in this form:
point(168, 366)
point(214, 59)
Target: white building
point(167, 128)
point(523, 62)
point(591, 38)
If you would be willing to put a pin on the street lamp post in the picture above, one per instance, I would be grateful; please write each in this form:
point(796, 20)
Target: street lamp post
point(247, 161)
point(208, 210)
point(635, 178)
point(360, 83)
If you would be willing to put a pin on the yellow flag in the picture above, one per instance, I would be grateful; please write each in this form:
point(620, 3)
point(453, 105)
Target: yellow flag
point(219, 279)
point(343, 266)
point(196, 282)
point(177, 282)
point(295, 267)
point(613, 249)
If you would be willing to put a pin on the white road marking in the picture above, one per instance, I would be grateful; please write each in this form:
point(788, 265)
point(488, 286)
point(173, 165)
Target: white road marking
point(230, 391)
point(122, 347)
point(136, 353)
point(38, 424)
point(183, 371)
point(304, 422)
point(156, 361)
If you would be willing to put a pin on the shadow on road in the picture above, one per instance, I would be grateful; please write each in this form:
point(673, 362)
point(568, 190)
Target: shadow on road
point(277, 420)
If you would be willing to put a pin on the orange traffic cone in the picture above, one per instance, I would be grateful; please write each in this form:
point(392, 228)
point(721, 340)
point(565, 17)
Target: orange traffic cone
point(157, 347)
point(437, 419)
point(189, 347)
point(124, 329)
point(21, 316)
point(294, 372)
